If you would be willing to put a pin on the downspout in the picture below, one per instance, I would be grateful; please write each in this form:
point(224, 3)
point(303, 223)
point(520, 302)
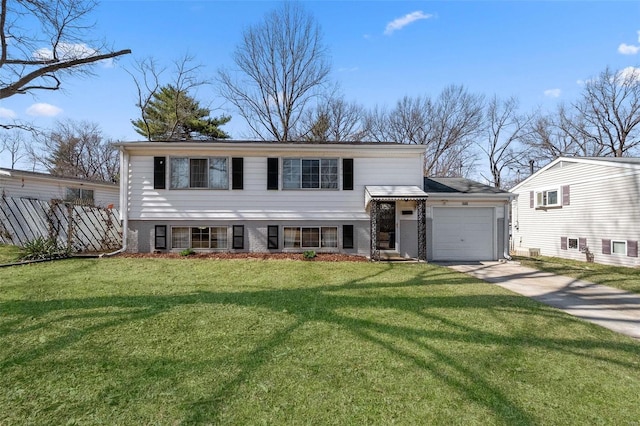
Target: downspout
point(507, 207)
point(124, 206)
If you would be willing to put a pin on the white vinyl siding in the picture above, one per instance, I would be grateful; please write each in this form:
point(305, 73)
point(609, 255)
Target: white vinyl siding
point(603, 206)
point(255, 202)
point(49, 187)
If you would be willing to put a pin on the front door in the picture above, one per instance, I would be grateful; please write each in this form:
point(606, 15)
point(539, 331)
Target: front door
point(386, 219)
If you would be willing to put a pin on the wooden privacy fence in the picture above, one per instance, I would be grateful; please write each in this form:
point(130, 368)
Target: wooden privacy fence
point(80, 228)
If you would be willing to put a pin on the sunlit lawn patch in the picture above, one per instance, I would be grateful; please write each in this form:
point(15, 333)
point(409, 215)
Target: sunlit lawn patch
point(170, 341)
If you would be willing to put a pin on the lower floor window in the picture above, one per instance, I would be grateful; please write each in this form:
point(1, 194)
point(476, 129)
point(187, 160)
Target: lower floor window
point(619, 247)
point(311, 237)
point(573, 243)
point(202, 237)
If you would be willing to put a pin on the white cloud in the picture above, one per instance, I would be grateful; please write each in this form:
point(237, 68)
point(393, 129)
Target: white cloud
point(67, 51)
point(43, 110)
point(628, 49)
point(399, 23)
point(629, 74)
point(7, 113)
point(552, 93)
point(638, 36)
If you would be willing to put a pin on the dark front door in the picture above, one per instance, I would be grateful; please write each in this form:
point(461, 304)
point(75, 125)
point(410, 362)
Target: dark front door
point(386, 225)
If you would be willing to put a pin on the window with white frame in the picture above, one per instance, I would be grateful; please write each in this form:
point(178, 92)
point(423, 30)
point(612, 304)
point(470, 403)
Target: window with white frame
point(548, 198)
point(618, 247)
point(309, 173)
point(205, 172)
point(572, 244)
point(311, 237)
point(199, 237)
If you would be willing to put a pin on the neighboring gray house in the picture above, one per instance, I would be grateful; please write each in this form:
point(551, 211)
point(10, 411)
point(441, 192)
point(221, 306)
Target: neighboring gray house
point(577, 208)
point(466, 220)
point(43, 186)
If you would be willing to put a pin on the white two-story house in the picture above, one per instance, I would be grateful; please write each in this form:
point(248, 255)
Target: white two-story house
point(247, 196)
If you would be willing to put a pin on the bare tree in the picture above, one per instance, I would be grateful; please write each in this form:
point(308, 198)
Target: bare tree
point(610, 110)
point(505, 128)
point(78, 149)
point(281, 67)
point(334, 120)
point(560, 134)
point(34, 59)
point(447, 126)
point(14, 143)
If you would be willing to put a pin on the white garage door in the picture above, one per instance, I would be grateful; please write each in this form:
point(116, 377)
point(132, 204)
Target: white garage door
point(463, 233)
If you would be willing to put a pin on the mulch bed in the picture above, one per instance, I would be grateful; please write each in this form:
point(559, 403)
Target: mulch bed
point(320, 257)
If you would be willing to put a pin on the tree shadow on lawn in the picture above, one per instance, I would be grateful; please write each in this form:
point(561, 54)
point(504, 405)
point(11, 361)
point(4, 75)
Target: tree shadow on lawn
point(327, 304)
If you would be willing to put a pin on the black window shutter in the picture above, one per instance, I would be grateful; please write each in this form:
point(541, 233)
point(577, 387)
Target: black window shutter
point(632, 248)
point(347, 173)
point(531, 195)
point(606, 246)
point(237, 173)
point(160, 237)
point(582, 244)
point(272, 237)
point(565, 195)
point(238, 237)
point(159, 172)
point(272, 173)
point(563, 243)
point(347, 236)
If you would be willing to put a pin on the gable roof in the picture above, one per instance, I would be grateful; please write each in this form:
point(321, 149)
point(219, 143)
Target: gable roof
point(618, 162)
point(461, 188)
point(458, 186)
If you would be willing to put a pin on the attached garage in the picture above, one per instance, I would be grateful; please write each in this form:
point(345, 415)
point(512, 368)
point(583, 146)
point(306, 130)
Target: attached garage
point(466, 220)
point(464, 233)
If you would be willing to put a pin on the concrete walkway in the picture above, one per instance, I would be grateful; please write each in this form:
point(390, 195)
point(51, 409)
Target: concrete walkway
point(614, 309)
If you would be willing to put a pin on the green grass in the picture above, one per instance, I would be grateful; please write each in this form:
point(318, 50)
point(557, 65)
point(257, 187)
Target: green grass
point(9, 253)
point(613, 276)
point(192, 341)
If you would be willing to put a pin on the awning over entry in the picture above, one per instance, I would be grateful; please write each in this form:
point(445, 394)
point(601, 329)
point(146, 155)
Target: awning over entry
point(393, 193)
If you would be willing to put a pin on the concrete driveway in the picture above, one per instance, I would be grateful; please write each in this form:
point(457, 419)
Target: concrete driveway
point(608, 307)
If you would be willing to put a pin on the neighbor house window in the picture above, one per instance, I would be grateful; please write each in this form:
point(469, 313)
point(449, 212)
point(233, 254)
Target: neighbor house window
point(547, 198)
point(311, 237)
point(80, 195)
point(199, 237)
point(208, 172)
point(573, 243)
point(619, 247)
point(302, 173)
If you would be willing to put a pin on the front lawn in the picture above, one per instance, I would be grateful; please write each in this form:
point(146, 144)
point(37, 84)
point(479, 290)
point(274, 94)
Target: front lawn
point(190, 341)
point(613, 276)
point(9, 253)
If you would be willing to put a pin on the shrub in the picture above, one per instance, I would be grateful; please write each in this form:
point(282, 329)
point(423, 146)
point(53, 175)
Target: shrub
point(44, 248)
point(309, 254)
point(187, 252)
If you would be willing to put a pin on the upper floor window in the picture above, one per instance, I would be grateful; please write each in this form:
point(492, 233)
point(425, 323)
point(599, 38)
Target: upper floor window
point(547, 198)
point(79, 195)
point(303, 173)
point(206, 172)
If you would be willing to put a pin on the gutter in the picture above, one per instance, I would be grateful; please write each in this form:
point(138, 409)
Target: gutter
point(124, 206)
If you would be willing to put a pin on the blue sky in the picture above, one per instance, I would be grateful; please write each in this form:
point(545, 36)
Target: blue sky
point(380, 51)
